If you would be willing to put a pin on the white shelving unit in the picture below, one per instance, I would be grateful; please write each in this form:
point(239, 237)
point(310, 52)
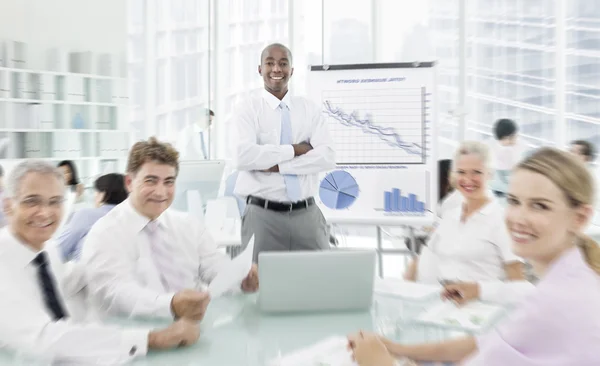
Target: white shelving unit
point(59, 115)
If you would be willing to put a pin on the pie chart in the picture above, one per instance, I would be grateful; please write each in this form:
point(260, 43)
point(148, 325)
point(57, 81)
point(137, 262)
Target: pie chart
point(338, 190)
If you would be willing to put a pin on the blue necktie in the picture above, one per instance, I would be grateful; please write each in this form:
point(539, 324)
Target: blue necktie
point(202, 145)
point(292, 183)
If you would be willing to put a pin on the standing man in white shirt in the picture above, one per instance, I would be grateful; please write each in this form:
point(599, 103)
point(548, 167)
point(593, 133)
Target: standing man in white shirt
point(507, 150)
point(280, 143)
point(143, 260)
point(584, 150)
point(193, 142)
point(37, 289)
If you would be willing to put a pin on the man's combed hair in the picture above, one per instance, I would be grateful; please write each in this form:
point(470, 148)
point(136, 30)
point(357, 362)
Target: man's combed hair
point(152, 150)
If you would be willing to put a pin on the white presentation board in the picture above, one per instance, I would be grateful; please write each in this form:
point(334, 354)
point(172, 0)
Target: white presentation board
point(382, 120)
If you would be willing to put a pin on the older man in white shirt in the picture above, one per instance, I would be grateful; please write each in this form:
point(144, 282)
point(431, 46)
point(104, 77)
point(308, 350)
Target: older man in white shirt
point(280, 143)
point(143, 260)
point(37, 291)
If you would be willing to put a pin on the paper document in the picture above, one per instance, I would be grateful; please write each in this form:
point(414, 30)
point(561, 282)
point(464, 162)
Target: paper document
point(232, 275)
point(331, 351)
point(406, 290)
point(474, 316)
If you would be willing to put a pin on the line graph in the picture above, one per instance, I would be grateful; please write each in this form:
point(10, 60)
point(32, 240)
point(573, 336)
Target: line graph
point(377, 126)
point(386, 134)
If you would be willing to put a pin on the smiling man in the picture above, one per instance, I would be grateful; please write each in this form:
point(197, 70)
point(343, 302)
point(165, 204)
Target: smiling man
point(143, 260)
point(280, 143)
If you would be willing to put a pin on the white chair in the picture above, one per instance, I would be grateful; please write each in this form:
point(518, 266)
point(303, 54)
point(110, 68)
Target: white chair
point(229, 189)
point(219, 211)
point(194, 204)
point(222, 218)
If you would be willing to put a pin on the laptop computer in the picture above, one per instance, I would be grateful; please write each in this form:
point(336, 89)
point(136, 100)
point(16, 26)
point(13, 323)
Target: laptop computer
point(316, 281)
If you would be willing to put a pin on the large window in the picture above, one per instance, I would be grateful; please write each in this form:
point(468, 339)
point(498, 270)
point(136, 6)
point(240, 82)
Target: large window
point(512, 53)
point(583, 70)
point(347, 32)
point(511, 67)
point(169, 66)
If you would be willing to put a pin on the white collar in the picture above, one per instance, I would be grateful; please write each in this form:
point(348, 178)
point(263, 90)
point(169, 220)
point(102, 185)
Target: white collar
point(139, 221)
point(486, 210)
point(274, 102)
point(20, 254)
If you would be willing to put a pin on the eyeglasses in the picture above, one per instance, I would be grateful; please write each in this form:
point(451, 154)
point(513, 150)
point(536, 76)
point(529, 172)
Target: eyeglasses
point(37, 202)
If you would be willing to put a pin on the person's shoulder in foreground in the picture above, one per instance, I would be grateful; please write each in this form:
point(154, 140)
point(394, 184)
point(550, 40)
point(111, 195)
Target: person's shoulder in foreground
point(564, 306)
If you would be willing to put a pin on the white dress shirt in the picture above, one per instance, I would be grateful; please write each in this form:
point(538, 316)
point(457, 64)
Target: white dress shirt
point(504, 159)
point(189, 144)
point(473, 251)
point(121, 274)
point(27, 327)
point(255, 137)
point(455, 199)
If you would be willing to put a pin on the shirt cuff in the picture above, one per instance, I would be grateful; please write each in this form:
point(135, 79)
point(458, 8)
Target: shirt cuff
point(163, 303)
point(287, 153)
point(491, 291)
point(135, 342)
point(286, 167)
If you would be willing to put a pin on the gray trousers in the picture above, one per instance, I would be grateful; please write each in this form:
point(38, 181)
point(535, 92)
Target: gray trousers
point(302, 229)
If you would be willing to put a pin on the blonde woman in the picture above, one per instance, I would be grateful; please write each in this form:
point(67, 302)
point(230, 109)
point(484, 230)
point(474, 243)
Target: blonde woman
point(549, 205)
point(471, 244)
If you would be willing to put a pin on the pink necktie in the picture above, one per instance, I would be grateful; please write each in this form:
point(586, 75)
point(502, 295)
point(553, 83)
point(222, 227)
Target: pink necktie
point(171, 276)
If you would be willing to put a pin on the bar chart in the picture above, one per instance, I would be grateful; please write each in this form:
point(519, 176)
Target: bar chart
point(394, 201)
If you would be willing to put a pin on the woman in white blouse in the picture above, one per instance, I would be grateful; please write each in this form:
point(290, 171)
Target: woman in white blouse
point(471, 244)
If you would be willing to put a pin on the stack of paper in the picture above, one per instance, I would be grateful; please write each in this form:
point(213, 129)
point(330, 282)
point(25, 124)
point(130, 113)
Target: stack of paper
point(473, 317)
point(332, 351)
point(406, 290)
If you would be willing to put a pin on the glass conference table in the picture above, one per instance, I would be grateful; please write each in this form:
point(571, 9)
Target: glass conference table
point(235, 332)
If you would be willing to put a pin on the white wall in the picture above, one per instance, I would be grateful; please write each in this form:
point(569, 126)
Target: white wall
point(75, 25)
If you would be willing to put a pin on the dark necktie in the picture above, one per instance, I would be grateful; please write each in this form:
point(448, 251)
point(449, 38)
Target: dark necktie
point(48, 286)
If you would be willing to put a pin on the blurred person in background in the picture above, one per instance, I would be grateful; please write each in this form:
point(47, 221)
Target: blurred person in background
point(67, 167)
point(507, 150)
point(110, 191)
point(193, 140)
point(584, 150)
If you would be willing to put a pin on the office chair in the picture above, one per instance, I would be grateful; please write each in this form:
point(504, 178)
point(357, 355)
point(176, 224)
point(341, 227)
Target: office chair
point(230, 187)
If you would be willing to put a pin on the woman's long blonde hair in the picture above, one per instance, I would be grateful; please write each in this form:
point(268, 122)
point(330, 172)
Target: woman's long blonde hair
point(577, 184)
